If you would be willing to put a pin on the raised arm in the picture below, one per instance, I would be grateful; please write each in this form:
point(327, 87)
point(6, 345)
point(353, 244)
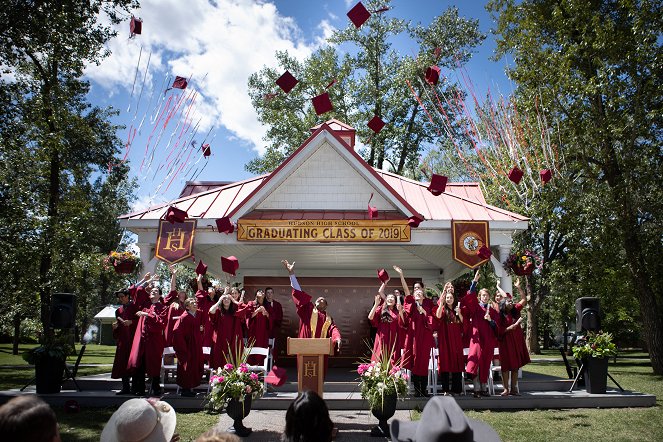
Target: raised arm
point(440, 306)
point(523, 295)
point(173, 277)
point(199, 280)
point(406, 289)
point(473, 286)
point(374, 309)
point(381, 290)
point(291, 271)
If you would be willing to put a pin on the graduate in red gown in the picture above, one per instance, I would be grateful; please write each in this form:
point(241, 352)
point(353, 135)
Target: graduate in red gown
point(449, 325)
point(482, 335)
point(148, 344)
point(174, 301)
point(275, 310)
point(511, 339)
point(226, 318)
point(418, 320)
point(188, 344)
point(259, 324)
point(314, 322)
point(384, 316)
point(206, 298)
point(123, 332)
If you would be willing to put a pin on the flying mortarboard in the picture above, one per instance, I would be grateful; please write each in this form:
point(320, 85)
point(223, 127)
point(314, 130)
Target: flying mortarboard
point(207, 151)
point(515, 175)
point(175, 215)
point(135, 26)
point(484, 252)
point(383, 275)
point(286, 82)
point(376, 124)
point(180, 83)
point(229, 265)
point(322, 104)
point(201, 268)
point(433, 74)
point(276, 376)
point(224, 225)
point(438, 183)
point(372, 211)
point(414, 221)
point(358, 15)
point(546, 175)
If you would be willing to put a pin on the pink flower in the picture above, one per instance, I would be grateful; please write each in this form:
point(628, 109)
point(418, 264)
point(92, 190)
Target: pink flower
point(242, 369)
point(228, 367)
point(213, 379)
point(405, 376)
point(248, 389)
point(220, 379)
point(254, 377)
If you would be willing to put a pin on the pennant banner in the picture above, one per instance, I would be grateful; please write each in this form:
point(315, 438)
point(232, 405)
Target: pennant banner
point(175, 241)
point(467, 239)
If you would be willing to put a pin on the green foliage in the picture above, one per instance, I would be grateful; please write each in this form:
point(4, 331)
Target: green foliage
point(54, 345)
point(381, 378)
point(595, 345)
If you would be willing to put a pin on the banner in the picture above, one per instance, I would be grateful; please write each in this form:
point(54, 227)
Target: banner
point(175, 241)
point(323, 230)
point(467, 237)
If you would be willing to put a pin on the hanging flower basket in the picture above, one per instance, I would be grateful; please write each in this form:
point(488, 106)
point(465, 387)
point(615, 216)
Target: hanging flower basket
point(522, 263)
point(121, 262)
point(125, 267)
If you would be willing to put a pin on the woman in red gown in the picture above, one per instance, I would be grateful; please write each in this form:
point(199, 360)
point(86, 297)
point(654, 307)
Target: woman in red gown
point(226, 318)
point(188, 344)
point(175, 302)
point(384, 316)
point(513, 348)
point(205, 300)
point(450, 359)
point(259, 325)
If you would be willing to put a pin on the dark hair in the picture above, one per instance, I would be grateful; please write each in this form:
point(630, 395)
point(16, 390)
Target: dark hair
point(27, 419)
point(307, 420)
point(269, 288)
point(515, 314)
point(123, 292)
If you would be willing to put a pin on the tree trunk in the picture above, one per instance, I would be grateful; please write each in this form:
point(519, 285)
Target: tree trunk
point(17, 333)
point(534, 303)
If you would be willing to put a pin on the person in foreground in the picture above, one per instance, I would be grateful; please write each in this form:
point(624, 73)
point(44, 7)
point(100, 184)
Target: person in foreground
point(443, 419)
point(307, 420)
point(142, 420)
point(28, 419)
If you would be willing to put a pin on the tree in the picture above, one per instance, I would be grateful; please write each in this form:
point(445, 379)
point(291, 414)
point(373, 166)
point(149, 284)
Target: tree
point(374, 80)
point(597, 64)
point(46, 45)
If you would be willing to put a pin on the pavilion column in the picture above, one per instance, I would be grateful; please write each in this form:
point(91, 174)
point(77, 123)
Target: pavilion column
point(147, 257)
point(505, 279)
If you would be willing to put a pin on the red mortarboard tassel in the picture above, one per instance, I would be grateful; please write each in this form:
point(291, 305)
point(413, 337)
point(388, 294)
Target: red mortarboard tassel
point(484, 252)
point(414, 221)
point(546, 175)
point(286, 82)
point(383, 275)
point(224, 225)
point(515, 175)
point(433, 74)
point(135, 26)
point(322, 104)
point(201, 268)
point(175, 215)
point(207, 151)
point(229, 265)
point(358, 15)
point(372, 211)
point(376, 124)
point(438, 183)
point(180, 83)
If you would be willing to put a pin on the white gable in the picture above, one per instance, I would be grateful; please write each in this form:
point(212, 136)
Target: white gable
point(324, 181)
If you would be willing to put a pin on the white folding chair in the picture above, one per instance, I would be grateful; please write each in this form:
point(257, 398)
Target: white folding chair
point(168, 368)
point(262, 368)
point(466, 352)
point(432, 371)
point(207, 370)
point(270, 346)
point(493, 368)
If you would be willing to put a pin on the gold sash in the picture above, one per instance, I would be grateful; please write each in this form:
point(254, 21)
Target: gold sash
point(314, 324)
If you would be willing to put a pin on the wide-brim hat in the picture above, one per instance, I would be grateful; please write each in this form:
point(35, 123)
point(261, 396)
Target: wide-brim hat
point(141, 420)
point(443, 420)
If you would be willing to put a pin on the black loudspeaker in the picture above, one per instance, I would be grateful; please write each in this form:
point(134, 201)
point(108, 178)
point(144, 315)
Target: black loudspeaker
point(63, 310)
point(588, 314)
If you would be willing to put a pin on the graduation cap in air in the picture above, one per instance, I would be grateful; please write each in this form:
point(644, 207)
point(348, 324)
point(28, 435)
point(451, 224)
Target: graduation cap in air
point(207, 151)
point(277, 376)
point(516, 175)
point(224, 225)
point(175, 215)
point(546, 175)
point(201, 268)
point(433, 74)
point(179, 83)
point(376, 124)
point(135, 26)
point(484, 252)
point(229, 265)
point(358, 15)
point(383, 275)
point(414, 221)
point(286, 82)
point(438, 183)
point(372, 211)
point(322, 104)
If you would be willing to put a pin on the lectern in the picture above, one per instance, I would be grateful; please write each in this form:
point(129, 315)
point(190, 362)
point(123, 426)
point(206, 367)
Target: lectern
point(311, 354)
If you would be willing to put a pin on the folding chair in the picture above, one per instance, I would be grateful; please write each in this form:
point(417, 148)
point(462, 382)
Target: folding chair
point(432, 371)
point(168, 368)
point(270, 346)
point(207, 369)
point(466, 352)
point(262, 368)
point(70, 371)
point(494, 368)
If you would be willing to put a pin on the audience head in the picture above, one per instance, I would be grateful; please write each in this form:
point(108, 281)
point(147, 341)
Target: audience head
point(141, 420)
point(307, 419)
point(217, 435)
point(28, 419)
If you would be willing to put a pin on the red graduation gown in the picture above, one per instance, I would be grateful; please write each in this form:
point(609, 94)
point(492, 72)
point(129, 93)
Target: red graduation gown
point(188, 344)
point(149, 341)
point(450, 358)
point(387, 336)
point(172, 316)
point(305, 309)
point(513, 348)
point(259, 327)
point(275, 310)
point(419, 337)
point(204, 303)
point(227, 337)
point(482, 336)
point(124, 335)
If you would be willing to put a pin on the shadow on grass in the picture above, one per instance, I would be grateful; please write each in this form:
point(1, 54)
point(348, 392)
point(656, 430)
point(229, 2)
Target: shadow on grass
point(83, 426)
point(15, 377)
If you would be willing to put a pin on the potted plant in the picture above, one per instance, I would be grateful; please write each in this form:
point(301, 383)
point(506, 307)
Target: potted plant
point(522, 263)
point(233, 386)
point(594, 351)
point(49, 361)
point(122, 262)
point(382, 384)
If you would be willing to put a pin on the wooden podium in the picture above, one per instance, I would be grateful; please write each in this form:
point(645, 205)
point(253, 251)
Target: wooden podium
point(311, 354)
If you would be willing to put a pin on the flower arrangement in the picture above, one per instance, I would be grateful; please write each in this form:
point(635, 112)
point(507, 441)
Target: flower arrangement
point(522, 263)
point(233, 381)
point(122, 262)
point(381, 378)
point(595, 345)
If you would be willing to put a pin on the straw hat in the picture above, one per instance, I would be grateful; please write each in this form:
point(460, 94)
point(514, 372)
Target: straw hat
point(141, 420)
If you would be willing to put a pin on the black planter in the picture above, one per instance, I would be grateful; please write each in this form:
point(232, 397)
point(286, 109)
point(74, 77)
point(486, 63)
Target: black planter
point(48, 374)
point(596, 375)
point(237, 411)
point(383, 410)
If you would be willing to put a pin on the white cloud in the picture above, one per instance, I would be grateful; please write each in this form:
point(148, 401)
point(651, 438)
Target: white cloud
point(219, 45)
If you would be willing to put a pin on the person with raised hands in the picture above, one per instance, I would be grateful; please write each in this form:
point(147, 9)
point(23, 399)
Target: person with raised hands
point(384, 316)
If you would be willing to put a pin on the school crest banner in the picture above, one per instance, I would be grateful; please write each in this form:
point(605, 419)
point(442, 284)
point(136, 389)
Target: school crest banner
point(175, 241)
point(467, 238)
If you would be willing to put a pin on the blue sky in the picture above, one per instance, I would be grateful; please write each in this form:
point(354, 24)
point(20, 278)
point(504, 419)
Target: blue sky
point(219, 44)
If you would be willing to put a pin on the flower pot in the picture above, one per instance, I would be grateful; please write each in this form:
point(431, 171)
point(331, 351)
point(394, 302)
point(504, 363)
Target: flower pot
point(596, 375)
point(383, 410)
point(238, 410)
point(124, 266)
point(48, 374)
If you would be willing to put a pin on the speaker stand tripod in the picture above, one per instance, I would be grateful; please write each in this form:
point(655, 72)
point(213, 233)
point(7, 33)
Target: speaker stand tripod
point(582, 366)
